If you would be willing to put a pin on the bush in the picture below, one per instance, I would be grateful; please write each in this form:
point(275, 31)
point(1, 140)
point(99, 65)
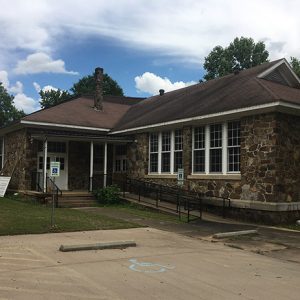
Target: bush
point(108, 195)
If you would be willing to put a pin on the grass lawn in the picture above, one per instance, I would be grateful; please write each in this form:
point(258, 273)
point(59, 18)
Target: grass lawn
point(147, 213)
point(20, 217)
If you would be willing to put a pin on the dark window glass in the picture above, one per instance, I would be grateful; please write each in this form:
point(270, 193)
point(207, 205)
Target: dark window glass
point(178, 161)
point(154, 162)
point(165, 162)
point(199, 160)
point(233, 151)
point(215, 135)
point(215, 160)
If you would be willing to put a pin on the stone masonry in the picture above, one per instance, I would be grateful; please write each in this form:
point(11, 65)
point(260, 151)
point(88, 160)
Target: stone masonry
point(270, 161)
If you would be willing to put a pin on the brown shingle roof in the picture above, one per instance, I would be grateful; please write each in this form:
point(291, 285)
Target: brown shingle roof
point(80, 112)
point(218, 95)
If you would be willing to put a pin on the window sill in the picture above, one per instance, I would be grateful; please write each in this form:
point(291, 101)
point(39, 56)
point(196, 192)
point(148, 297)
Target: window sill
point(161, 176)
point(215, 176)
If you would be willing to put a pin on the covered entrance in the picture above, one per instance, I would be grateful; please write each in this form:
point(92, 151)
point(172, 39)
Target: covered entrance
point(86, 163)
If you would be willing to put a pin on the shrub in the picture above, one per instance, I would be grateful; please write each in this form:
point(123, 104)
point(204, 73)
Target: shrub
point(108, 195)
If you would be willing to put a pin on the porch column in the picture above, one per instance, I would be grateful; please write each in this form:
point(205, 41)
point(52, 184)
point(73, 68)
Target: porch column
point(45, 165)
point(105, 165)
point(91, 165)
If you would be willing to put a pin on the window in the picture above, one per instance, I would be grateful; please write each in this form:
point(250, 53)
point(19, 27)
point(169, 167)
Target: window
point(166, 152)
point(199, 149)
point(54, 147)
point(178, 150)
point(215, 152)
point(120, 158)
point(216, 148)
point(233, 152)
point(154, 152)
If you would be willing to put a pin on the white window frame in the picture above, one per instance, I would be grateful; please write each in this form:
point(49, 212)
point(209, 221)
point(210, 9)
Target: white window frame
point(227, 154)
point(159, 153)
point(225, 147)
point(176, 150)
point(165, 151)
point(198, 149)
point(156, 152)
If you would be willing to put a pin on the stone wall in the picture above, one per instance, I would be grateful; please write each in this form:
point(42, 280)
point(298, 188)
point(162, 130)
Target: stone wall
point(270, 161)
point(138, 156)
point(20, 159)
point(270, 152)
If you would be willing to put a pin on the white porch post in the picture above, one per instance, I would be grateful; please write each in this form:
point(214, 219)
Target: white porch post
point(45, 166)
point(91, 166)
point(105, 165)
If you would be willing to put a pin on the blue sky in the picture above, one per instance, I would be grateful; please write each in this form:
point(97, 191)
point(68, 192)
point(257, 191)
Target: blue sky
point(143, 45)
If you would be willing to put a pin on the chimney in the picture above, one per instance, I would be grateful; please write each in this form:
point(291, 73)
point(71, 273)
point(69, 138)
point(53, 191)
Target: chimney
point(161, 92)
point(98, 99)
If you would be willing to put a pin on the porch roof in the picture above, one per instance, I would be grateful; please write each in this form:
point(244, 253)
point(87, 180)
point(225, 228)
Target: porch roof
point(80, 113)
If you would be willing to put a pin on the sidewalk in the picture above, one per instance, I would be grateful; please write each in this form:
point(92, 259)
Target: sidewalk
point(274, 242)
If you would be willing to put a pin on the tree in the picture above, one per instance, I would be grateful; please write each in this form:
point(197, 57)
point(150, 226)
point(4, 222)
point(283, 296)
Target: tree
point(242, 53)
point(86, 85)
point(53, 97)
point(8, 112)
point(295, 63)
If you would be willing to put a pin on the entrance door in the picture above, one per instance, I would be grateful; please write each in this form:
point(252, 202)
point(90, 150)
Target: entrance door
point(62, 180)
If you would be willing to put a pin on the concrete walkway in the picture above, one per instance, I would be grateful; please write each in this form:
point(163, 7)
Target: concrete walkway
point(280, 243)
point(164, 265)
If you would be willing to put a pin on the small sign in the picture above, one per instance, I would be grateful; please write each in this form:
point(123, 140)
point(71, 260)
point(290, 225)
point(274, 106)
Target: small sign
point(180, 176)
point(54, 169)
point(4, 181)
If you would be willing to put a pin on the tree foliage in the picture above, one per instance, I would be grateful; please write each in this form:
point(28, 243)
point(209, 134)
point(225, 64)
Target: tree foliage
point(53, 97)
point(8, 112)
point(86, 85)
point(295, 63)
point(242, 53)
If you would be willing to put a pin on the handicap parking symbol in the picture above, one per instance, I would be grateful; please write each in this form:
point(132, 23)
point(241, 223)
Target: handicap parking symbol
point(148, 267)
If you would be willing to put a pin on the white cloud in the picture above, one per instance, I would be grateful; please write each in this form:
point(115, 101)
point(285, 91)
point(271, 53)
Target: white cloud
point(41, 63)
point(45, 88)
point(26, 103)
point(151, 83)
point(4, 79)
point(17, 88)
point(187, 30)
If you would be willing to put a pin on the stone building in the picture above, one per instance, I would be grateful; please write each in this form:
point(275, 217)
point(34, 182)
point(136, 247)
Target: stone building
point(238, 136)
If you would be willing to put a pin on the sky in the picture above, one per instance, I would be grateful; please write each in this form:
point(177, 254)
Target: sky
point(144, 45)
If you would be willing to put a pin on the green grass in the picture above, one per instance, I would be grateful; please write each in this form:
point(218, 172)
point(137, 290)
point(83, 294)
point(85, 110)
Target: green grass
point(291, 226)
point(20, 217)
point(148, 213)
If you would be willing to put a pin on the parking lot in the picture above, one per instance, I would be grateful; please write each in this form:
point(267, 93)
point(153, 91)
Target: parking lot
point(164, 265)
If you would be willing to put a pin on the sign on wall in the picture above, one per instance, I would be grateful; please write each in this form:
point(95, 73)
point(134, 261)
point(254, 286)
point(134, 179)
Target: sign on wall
point(180, 176)
point(4, 181)
point(54, 169)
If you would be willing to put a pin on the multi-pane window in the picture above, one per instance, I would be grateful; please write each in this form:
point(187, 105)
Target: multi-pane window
point(54, 147)
point(215, 150)
point(178, 150)
point(233, 144)
point(154, 152)
point(120, 158)
point(166, 151)
point(199, 149)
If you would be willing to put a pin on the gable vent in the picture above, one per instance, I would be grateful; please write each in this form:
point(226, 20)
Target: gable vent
point(276, 77)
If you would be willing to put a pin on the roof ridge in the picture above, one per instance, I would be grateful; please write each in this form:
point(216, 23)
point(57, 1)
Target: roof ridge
point(273, 94)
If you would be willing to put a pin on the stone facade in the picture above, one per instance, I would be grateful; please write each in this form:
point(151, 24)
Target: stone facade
point(270, 161)
point(270, 164)
point(20, 159)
